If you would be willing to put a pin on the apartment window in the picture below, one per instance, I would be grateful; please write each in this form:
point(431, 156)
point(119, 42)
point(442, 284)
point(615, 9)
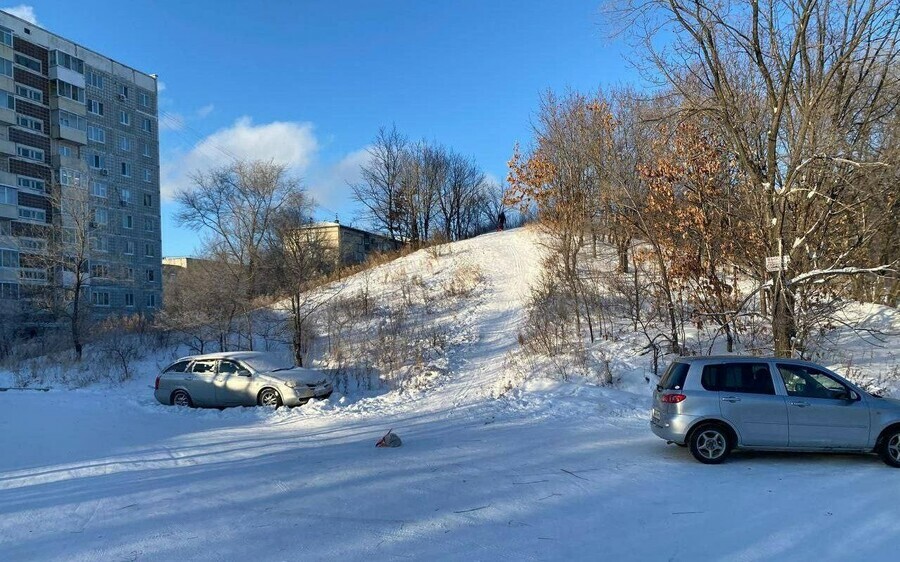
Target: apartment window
point(151, 300)
point(96, 161)
point(32, 245)
point(32, 214)
point(100, 298)
point(6, 37)
point(71, 178)
point(126, 169)
point(151, 275)
point(129, 271)
point(148, 175)
point(127, 222)
point(99, 270)
point(124, 118)
point(5, 228)
point(29, 123)
point(33, 275)
point(129, 299)
point(28, 62)
point(125, 143)
point(148, 200)
point(66, 90)
point(146, 149)
point(6, 100)
point(9, 258)
point(94, 79)
point(9, 290)
point(148, 250)
point(144, 99)
point(65, 151)
point(101, 216)
point(125, 195)
point(8, 196)
point(100, 244)
point(59, 58)
point(30, 183)
point(29, 153)
point(70, 120)
point(146, 125)
point(6, 67)
point(149, 225)
point(30, 93)
point(95, 107)
point(129, 251)
point(98, 188)
point(123, 91)
point(96, 134)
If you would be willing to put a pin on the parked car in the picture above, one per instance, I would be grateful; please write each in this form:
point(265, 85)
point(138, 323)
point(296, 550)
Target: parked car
point(241, 378)
point(716, 404)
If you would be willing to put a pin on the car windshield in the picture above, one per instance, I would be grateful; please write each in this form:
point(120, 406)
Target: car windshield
point(266, 363)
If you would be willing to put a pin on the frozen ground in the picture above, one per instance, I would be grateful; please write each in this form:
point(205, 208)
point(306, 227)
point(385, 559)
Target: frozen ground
point(550, 471)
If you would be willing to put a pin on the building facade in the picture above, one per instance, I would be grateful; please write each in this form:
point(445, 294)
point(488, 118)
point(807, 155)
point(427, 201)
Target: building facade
point(349, 245)
point(75, 122)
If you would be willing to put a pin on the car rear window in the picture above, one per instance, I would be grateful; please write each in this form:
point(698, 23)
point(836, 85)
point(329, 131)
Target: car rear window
point(674, 377)
point(179, 367)
point(752, 378)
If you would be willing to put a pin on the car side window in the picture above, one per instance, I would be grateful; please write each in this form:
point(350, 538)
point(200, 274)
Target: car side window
point(178, 367)
point(231, 368)
point(203, 367)
point(807, 382)
point(751, 378)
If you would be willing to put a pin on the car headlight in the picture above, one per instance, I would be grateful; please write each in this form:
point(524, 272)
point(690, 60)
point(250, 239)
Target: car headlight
point(290, 384)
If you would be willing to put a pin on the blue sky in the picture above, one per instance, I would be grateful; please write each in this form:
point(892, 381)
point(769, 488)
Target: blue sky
point(309, 83)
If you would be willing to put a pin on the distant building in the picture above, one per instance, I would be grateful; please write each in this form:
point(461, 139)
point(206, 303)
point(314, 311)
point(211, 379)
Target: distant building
point(351, 245)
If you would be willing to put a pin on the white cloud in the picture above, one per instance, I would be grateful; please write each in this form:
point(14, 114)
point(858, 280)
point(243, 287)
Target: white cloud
point(286, 142)
point(160, 86)
point(23, 11)
point(330, 187)
point(205, 110)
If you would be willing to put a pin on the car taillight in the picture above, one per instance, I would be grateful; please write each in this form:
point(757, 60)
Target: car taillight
point(156, 384)
point(673, 398)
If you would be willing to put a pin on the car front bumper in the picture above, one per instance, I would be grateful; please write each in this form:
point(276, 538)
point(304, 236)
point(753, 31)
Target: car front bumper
point(303, 395)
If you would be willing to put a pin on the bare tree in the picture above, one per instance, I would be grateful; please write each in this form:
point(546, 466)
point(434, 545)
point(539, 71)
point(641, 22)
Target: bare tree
point(380, 191)
point(235, 207)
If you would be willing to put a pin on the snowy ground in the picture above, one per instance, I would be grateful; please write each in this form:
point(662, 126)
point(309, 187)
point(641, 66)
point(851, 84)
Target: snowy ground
point(551, 471)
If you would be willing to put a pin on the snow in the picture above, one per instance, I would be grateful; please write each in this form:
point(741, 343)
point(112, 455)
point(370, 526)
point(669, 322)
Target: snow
point(495, 465)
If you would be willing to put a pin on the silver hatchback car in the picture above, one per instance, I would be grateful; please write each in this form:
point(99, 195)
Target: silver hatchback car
point(241, 378)
point(716, 404)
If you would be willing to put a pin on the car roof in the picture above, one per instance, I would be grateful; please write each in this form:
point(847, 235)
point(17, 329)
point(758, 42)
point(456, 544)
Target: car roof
point(742, 359)
point(224, 355)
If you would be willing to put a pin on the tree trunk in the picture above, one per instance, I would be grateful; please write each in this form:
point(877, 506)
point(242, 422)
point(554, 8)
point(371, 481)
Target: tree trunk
point(784, 326)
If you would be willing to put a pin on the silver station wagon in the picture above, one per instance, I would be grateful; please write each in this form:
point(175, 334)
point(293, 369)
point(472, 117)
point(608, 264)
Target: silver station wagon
point(716, 404)
point(240, 378)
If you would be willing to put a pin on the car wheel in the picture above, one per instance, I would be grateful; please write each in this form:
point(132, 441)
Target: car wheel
point(270, 397)
point(182, 398)
point(710, 444)
point(890, 448)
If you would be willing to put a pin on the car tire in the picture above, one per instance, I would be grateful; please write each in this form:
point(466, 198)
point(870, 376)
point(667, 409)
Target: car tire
point(269, 397)
point(890, 447)
point(710, 443)
point(182, 398)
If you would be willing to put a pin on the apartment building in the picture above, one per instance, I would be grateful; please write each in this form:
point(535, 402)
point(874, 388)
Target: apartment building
point(75, 122)
point(349, 245)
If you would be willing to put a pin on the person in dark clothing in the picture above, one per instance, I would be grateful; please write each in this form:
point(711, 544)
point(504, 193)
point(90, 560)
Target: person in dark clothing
point(501, 221)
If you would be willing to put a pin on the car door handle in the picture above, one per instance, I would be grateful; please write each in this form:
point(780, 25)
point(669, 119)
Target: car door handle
point(800, 404)
point(731, 399)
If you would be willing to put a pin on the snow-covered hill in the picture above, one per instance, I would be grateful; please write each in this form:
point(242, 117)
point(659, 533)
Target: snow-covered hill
point(496, 464)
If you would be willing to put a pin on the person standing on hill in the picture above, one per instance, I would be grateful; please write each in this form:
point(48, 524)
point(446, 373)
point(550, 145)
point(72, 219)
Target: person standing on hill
point(501, 221)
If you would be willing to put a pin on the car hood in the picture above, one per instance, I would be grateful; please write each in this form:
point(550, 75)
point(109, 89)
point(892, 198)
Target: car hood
point(297, 375)
point(892, 403)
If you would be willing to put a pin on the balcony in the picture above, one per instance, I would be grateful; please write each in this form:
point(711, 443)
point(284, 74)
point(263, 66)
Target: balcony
point(68, 133)
point(62, 73)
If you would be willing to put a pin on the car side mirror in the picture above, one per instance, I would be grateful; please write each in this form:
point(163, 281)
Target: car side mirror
point(853, 395)
point(243, 373)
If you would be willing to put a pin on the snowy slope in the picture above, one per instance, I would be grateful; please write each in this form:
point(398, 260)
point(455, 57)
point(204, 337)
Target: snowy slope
point(549, 471)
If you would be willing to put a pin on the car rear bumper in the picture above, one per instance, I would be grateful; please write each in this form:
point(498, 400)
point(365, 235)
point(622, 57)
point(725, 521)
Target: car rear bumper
point(672, 428)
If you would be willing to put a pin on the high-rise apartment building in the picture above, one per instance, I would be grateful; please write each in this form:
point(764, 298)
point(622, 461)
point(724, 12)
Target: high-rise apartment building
point(73, 121)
